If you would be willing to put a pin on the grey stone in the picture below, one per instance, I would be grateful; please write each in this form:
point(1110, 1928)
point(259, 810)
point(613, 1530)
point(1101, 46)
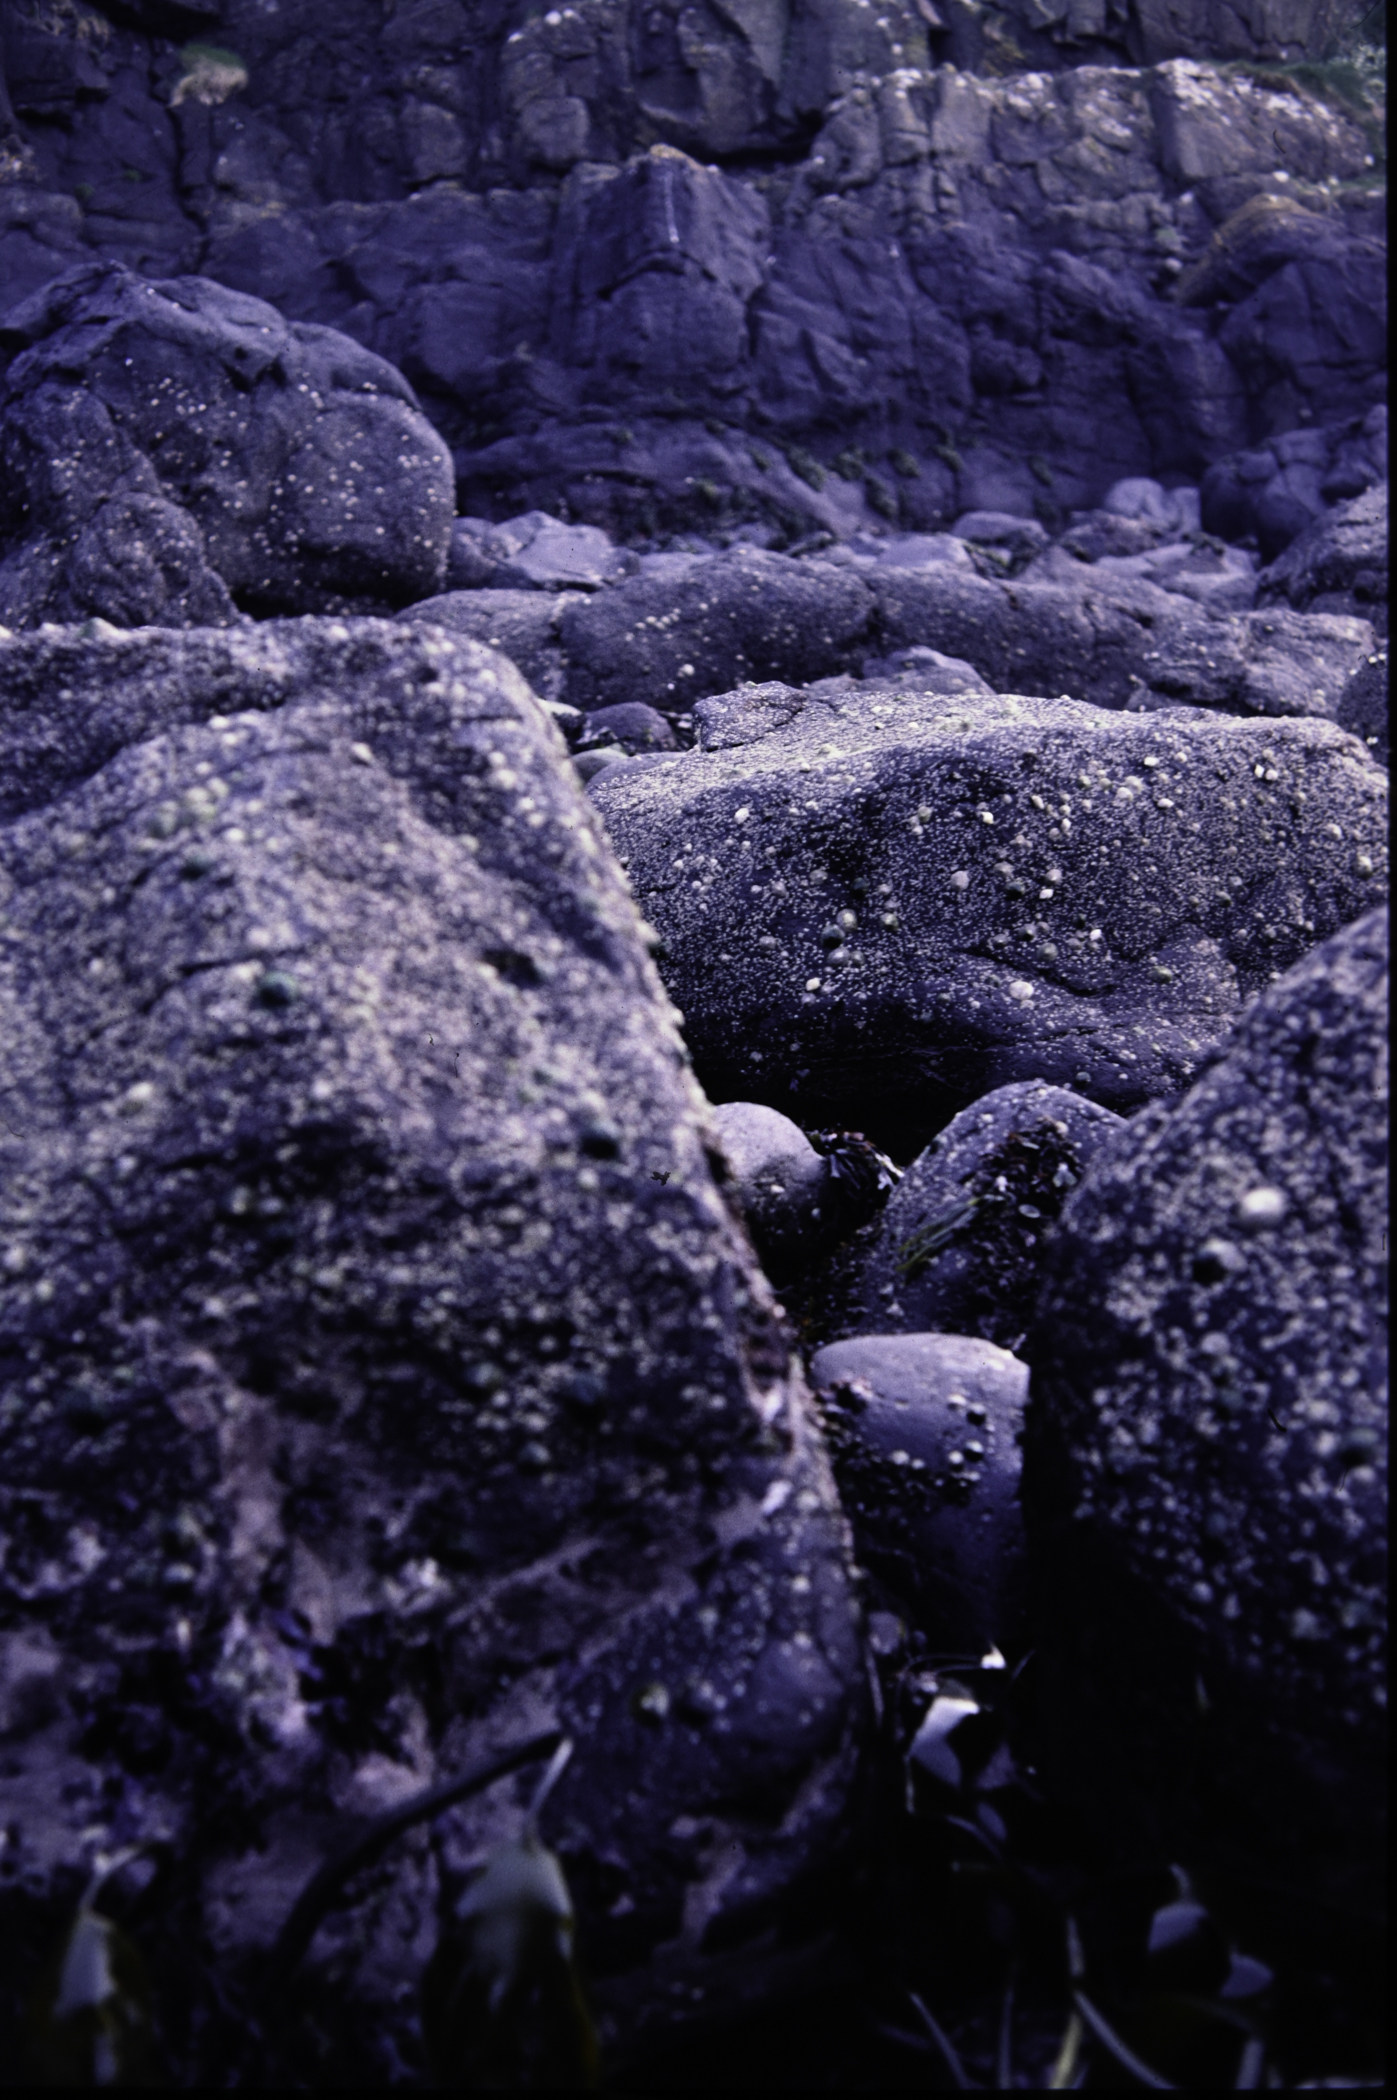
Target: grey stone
point(745, 614)
point(369, 1317)
point(1364, 707)
point(955, 1252)
point(1338, 564)
point(524, 625)
point(1206, 1463)
point(779, 1182)
point(905, 900)
point(925, 1432)
point(171, 447)
point(633, 725)
point(544, 552)
point(1140, 497)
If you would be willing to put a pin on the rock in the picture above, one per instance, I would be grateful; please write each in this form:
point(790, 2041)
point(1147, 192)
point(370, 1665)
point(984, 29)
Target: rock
point(385, 1377)
point(779, 1183)
point(954, 1250)
point(1019, 538)
point(1275, 493)
point(633, 725)
point(746, 614)
point(878, 892)
point(924, 1430)
point(1218, 577)
point(169, 448)
point(536, 552)
point(919, 670)
point(1176, 510)
point(1205, 1471)
point(524, 625)
point(1364, 705)
point(1338, 564)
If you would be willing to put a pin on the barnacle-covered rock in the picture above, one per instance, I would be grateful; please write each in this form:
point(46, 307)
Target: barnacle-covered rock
point(384, 1377)
point(1205, 1480)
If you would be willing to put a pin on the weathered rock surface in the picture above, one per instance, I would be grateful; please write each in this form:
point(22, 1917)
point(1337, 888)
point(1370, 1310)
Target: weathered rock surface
point(170, 449)
point(747, 614)
point(960, 1247)
point(925, 1430)
point(945, 292)
point(1338, 564)
point(1206, 1458)
point(876, 908)
point(383, 1375)
point(525, 626)
point(1277, 492)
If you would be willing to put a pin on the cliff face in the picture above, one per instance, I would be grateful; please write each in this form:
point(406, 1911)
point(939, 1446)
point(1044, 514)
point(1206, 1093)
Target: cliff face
point(953, 258)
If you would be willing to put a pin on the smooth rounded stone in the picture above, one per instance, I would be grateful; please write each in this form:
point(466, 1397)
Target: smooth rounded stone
point(385, 1377)
point(877, 906)
point(172, 448)
point(779, 1181)
point(1138, 496)
point(744, 614)
point(1338, 564)
point(1206, 1462)
point(634, 726)
point(961, 1243)
point(525, 626)
point(924, 1431)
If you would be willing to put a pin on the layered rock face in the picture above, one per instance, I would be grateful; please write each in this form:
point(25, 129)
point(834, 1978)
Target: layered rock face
point(992, 263)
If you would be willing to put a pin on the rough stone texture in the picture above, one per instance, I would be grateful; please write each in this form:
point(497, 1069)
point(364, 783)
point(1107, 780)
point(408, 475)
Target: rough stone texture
point(778, 1181)
point(1276, 492)
point(1365, 707)
point(747, 614)
point(168, 446)
point(960, 1246)
point(533, 552)
point(1338, 564)
point(526, 626)
point(877, 907)
point(1205, 1476)
point(960, 297)
point(925, 1431)
point(383, 1373)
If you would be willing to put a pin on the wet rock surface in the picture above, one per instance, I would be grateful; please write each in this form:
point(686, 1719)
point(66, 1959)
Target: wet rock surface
point(1207, 1446)
point(924, 1433)
point(383, 1376)
point(875, 910)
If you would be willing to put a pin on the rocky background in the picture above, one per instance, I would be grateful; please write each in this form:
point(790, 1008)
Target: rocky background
point(648, 654)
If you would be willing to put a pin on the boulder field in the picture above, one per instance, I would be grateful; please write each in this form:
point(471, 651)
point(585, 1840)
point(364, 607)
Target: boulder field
point(651, 655)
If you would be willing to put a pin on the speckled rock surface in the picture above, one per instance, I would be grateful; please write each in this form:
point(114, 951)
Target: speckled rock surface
point(1206, 1460)
point(275, 463)
point(383, 1374)
point(876, 909)
point(522, 625)
point(1339, 563)
point(925, 1433)
point(961, 1243)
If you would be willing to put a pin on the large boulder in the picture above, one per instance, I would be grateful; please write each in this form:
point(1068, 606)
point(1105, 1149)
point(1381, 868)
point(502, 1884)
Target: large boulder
point(1206, 1459)
point(170, 447)
point(384, 1375)
point(878, 906)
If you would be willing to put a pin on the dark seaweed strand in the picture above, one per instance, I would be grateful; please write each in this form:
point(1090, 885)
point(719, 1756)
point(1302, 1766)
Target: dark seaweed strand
point(319, 1893)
